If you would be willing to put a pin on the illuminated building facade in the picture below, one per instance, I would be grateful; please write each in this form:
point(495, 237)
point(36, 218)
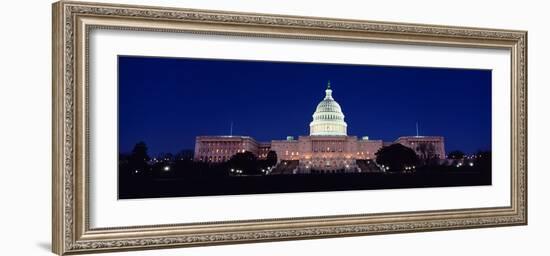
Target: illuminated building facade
point(425, 146)
point(328, 148)
point(217, 149)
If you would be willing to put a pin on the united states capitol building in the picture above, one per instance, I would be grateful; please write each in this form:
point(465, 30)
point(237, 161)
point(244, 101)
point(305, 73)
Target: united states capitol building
point(328, 148)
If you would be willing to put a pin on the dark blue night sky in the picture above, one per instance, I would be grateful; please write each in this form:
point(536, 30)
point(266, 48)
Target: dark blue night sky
point(166, 102)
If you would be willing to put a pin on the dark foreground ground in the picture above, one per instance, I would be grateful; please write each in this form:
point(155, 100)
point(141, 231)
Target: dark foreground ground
point(155, 187)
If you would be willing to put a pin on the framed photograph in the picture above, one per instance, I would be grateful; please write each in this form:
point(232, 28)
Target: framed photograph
point(179, 127)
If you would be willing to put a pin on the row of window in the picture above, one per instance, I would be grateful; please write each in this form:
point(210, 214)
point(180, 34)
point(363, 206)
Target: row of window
point(328, 128)
point(424, 142)
point(329, 117)
point(292, 153)
point(214, 159)
point(328, 150)
point(220, 151)
point(222, 144)
point(222, 158)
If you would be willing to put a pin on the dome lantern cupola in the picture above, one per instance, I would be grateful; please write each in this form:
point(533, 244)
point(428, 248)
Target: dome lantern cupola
point(328, 119)
point(328, 92)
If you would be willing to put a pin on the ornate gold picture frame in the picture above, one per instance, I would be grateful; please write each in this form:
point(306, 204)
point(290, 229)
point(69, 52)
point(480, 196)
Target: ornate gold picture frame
point(72, 23)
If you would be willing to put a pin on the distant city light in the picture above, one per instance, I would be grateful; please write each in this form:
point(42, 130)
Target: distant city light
point(471, 164)
point(166, 168)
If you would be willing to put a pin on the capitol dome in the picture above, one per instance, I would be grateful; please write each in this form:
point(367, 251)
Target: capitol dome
point(328, 119)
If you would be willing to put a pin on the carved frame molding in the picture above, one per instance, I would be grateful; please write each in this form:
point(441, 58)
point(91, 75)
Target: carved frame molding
point(72, 22)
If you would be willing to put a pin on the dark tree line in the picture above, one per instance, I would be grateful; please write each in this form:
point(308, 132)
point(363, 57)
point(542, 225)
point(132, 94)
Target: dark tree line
point(249, 164)
point(139, 165)
point(135, 164)
point(456, 154)
point(396, 158)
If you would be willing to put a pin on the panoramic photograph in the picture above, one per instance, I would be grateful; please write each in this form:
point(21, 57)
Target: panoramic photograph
point(214, 127)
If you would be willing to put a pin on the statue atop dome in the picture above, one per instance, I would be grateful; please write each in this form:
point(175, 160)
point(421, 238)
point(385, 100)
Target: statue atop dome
point(328, 91)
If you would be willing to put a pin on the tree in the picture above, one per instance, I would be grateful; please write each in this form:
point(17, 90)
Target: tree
point(140, 152)
point(138, 159)
point(245, 162)
point(397, 157)
point(271, 159)
point(456, 154)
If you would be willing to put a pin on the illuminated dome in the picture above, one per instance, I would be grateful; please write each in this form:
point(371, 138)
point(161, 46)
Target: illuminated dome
point(328, 119)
